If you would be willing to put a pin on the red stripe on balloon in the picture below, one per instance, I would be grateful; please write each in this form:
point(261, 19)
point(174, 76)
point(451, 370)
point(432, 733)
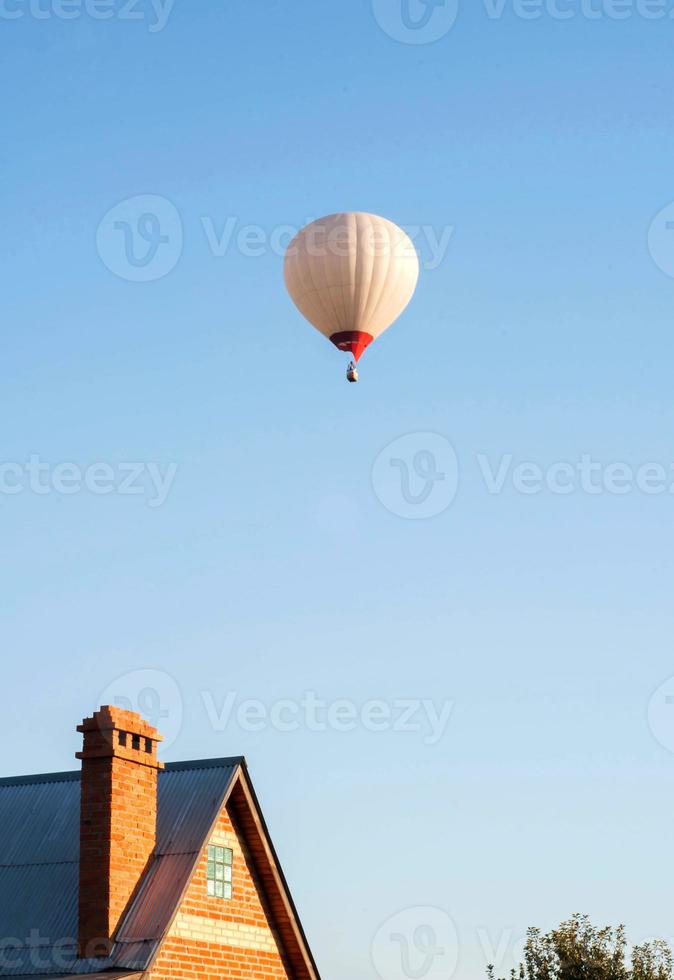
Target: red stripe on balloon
point(353, 342)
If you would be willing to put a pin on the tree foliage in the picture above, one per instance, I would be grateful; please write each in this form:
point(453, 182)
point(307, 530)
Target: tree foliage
point(577, 950)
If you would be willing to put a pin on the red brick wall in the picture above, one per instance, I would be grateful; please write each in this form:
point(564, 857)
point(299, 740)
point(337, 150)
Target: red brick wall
point(214, 938)
point(118, 820)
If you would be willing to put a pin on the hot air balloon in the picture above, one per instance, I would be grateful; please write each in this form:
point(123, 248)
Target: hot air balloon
point(351, 275)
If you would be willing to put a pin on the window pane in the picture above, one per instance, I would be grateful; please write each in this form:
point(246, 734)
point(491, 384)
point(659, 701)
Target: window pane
point(228, 891)
point(228, 874)
point(228, 855)
point(211, 888)
point(211, 853)
point(220, 854)
point(211, 870)
point(218, 889)
point(219, 871)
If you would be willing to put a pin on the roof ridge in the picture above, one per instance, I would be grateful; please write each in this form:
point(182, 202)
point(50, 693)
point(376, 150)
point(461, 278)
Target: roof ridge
point(217, 763)
point(74, 775)
point(43, 777)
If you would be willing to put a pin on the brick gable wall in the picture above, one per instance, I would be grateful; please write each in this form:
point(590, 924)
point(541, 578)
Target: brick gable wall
point(213, 938)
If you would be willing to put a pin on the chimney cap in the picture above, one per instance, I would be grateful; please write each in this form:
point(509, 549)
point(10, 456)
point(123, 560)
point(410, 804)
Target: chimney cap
point(109, 731)
point(110, 718)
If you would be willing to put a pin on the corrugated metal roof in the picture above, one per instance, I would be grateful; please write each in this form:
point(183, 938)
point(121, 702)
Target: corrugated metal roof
point(188, 797)
point(39, 866)
point(36, 821)
point(107, 975)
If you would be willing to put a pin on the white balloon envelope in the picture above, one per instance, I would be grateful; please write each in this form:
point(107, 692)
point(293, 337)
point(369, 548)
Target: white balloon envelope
point(351, 275)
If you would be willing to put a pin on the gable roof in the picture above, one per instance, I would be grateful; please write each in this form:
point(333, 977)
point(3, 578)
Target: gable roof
point(39, 869)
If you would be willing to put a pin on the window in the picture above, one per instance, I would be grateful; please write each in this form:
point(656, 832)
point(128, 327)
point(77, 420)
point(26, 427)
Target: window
point(219, 872)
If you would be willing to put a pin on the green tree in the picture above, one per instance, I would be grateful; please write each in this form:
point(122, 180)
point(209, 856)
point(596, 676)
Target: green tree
point(577, 950)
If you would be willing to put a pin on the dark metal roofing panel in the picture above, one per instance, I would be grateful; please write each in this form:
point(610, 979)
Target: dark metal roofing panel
point(157, 898)
point(36, 822)
point(44, 952)
point(188, 800)
point(39, 866)
point(136, 956)
point(39, 869)
point(24, 909)
point(108, 975)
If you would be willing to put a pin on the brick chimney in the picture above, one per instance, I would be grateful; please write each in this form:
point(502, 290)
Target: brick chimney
point(118, 820)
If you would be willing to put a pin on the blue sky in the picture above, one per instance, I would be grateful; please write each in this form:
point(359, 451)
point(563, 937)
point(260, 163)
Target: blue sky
point(277, 565)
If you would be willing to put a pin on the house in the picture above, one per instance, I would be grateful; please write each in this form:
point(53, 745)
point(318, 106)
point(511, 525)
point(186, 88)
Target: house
point(133, 869)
